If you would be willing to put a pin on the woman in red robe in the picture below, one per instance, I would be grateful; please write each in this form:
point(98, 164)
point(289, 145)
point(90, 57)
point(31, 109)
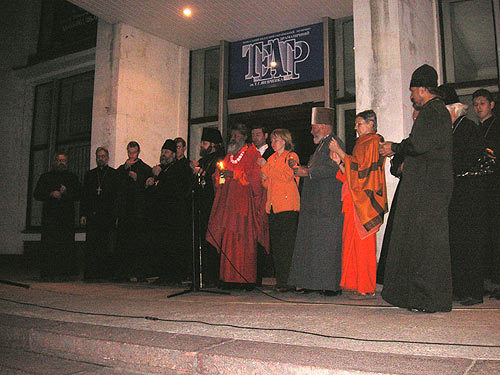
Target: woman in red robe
point(364, 199)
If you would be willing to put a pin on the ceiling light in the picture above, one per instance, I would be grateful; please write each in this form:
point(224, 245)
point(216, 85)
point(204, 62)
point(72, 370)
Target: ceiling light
point(187, 12)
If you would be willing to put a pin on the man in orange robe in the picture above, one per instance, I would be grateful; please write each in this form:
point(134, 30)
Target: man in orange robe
point(364, 199)
point(238, 220)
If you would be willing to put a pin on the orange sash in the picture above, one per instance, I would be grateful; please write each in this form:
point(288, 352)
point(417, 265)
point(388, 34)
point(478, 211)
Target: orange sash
point(365, 176)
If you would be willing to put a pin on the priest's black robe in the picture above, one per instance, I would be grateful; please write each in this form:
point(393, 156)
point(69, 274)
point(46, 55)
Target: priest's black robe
point(396, 171)
point(57, 253)
point(99, 194)
point(132, 257)
point(418, 269)
point(169, 202)
point(467, 213)
point(317, 256)
point(204, 199)
point(490, 129)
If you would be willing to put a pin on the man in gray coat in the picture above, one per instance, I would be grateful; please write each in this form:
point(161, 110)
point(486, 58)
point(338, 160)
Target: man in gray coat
point(317, 258)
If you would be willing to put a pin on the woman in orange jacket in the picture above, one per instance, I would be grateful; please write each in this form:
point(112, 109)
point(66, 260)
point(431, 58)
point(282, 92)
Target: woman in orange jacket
point(283, 203)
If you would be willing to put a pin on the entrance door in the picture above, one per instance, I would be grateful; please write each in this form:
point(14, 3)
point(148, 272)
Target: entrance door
point(297, 119)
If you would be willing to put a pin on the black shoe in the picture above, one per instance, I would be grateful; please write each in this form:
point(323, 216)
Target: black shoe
point(331, 293)
point(420, 310)
point(471, 301)
point(303, 291)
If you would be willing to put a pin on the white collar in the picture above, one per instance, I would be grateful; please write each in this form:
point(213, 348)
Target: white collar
point(263, 148)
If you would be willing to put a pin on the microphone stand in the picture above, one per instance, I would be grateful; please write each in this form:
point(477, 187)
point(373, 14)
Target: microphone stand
point(197, 278)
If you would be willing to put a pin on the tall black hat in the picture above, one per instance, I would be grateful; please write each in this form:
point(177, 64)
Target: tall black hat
point(169, 145)
point(322, 115)
point(424, 76)
point(449, 94)
point(211, 135)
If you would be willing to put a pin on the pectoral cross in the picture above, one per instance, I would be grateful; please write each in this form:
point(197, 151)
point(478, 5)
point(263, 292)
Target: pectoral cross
point(99, 190)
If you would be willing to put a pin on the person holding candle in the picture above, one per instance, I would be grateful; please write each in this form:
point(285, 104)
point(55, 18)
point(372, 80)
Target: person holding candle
point(283, 203)
point(238, 220)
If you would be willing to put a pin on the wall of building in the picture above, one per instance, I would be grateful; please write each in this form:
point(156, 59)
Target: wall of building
point(141, 92)
point(392, 38)
point(18, 31)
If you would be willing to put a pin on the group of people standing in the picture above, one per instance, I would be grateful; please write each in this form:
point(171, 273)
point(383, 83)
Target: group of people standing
point(442, 225)
point(130, 214)
point(313, 248)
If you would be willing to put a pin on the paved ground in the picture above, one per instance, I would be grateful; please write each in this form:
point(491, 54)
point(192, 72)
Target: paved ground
point(269, 328)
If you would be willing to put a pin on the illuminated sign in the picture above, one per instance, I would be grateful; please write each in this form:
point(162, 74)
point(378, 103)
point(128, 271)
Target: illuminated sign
point(285, 58)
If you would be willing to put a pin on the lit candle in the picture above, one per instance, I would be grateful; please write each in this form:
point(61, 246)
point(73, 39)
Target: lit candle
point(222, 180)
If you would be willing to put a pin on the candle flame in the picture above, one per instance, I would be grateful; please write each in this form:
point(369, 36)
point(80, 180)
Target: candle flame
point(220, 165)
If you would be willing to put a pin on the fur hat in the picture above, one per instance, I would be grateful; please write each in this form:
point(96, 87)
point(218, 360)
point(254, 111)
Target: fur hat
point(424, 76)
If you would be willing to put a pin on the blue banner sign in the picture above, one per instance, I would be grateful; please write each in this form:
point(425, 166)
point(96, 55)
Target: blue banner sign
point(281, 59)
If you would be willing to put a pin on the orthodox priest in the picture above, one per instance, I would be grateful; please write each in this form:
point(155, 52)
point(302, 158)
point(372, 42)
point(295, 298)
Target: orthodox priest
point(58, 189)
point(317, 257)
point(418, 268)
point(98, 216)
point(235, 225)
point(168, 193)
point(211, 152)
point(133, 226)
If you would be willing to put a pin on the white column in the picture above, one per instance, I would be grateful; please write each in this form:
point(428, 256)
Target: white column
point(141, 92)
point(392, 38)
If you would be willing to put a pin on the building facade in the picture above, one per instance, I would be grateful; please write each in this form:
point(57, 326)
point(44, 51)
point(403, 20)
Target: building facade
point(74, 81)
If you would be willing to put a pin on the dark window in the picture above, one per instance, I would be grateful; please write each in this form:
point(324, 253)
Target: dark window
point(64, 29)
point(204, 84)
point(62, 121)
point(470, 48)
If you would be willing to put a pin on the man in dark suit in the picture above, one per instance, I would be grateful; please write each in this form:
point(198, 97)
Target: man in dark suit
point(259, 139)
point(265, 265)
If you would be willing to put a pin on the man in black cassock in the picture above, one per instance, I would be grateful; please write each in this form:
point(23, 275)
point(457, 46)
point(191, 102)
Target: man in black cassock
point(133, 226)
point(489, 128)
point(169, 203)
point(418, 269)
point(211, 152)
point(98, 215)
point(58, 190)
point(180, 151)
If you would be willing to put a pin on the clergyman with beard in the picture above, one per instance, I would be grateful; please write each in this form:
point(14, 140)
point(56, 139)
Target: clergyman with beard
point(211, 152)
point(235, 225)
point(418, 267)
point(169, 209)
point(98, 216)
point(317, 257)
point(58, 189)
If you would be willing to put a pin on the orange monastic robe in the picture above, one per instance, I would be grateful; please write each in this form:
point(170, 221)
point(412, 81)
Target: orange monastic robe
point(238, 219)
point(364, 199)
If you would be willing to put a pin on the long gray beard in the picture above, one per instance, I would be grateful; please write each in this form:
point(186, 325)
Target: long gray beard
point(233, 147)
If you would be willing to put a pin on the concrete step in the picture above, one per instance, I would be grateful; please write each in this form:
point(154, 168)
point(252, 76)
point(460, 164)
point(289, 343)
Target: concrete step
point(141, 351)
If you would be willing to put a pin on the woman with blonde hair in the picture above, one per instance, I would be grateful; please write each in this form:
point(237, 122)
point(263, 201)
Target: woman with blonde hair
point(283, 203)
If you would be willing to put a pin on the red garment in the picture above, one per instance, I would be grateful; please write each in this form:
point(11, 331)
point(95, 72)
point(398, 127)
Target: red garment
point(359, 259)
point(238, 219)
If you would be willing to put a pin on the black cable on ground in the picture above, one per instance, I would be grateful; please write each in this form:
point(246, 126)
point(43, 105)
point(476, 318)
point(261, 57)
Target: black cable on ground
point(219, 247)
point(288, 330)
